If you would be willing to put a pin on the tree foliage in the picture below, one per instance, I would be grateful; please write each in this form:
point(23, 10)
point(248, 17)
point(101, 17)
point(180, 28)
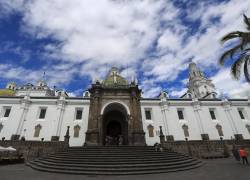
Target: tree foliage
point(240, 53)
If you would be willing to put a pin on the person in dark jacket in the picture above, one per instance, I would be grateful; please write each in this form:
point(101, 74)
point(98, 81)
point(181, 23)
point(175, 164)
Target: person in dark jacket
point(236, 154)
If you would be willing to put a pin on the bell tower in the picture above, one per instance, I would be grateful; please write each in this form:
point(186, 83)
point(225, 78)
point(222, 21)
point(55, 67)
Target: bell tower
point(199, 86)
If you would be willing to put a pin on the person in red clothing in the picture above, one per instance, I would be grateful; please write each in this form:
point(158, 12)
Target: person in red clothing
point(243, 155)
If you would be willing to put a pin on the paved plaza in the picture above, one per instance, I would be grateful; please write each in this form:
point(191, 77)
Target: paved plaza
point(219, 169)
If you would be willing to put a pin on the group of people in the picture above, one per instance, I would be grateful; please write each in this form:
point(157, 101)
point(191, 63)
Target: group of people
point(116, 140)
point(158, 147)
point(240, 154)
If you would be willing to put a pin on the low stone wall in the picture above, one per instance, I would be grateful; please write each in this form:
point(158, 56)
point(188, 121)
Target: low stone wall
point(205, 149)
point(35, 149)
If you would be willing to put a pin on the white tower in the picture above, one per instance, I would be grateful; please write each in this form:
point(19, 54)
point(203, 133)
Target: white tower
point(11, 86)
point(199, 86)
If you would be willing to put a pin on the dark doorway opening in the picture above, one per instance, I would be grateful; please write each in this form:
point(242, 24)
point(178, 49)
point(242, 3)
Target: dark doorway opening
point(115, 128)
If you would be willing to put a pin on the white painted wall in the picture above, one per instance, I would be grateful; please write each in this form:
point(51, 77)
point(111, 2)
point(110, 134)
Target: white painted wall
point(171, 125)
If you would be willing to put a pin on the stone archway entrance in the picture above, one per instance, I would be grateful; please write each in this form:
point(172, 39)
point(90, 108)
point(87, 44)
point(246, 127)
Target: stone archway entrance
point(114, 124)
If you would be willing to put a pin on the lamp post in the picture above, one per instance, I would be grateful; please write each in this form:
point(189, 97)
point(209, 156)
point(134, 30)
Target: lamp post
point(162, 137)
point(188, 147)
point(225, 149)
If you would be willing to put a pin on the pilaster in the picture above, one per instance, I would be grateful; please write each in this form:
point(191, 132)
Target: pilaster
point(25, 102)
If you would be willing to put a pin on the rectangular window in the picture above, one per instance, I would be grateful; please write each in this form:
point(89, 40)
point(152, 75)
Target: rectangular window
point(148, 114)
point(241, 113)
point(7, 112)
point(180, 114)
point(212, 114)
point(42, 113)
point(78, 114)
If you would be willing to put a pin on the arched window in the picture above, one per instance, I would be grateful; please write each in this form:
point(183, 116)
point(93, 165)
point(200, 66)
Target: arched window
point(248, 128)
point(1, 127)
point(150, 130)
point(185, 130)
point(37, 130)
point(76, 130)
point(219, 129)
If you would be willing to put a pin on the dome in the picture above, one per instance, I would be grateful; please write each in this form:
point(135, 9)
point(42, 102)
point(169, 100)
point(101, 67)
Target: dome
point(114, 78)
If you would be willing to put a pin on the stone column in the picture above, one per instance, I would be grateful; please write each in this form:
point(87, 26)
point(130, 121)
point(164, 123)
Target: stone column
point(197, 109)
point(93, 134)
point(138, 135)
point(61, 108)
point(25, 102)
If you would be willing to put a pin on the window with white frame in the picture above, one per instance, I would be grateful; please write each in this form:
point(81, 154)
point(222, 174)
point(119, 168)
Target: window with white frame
point(76, 130)
point(180, 112)
point(219, 130)
point(42, 112)
point(148, 113)
point(241, 113)
point(212, 113)
point(150, 130)
point(185, 130)
point(78, 113)
point(37, 130)
point(6, 111)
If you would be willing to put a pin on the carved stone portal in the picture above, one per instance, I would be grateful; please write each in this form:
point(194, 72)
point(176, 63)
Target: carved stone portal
point(115, 111)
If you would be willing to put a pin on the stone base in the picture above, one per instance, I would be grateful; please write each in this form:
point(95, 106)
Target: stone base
point(54, 138)
point(204, 137)
point(15, 137)
point(138, 138)
point(92, 138)
point(238, 137)
point(162, 139)
point(170, 138)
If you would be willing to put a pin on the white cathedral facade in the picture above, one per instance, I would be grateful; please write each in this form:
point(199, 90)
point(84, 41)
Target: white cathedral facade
point(36, 112)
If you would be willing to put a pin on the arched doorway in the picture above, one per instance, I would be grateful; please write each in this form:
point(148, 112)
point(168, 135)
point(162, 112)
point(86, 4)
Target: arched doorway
point(115, 124)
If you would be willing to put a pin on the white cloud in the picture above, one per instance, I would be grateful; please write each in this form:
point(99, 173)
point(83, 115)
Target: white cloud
point(53, 76)
point(93, 34)
point(226, 85)
point(177, 93)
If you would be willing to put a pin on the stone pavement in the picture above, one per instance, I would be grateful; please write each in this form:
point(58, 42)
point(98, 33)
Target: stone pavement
point(219, 169)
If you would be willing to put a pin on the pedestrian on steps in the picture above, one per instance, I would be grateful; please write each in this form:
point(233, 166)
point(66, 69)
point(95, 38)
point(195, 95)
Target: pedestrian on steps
point(236, 154)
point(156, 146)
point(243, 155)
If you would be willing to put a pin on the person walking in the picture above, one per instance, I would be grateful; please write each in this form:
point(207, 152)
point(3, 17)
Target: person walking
point(156, 146)
point(236, 153)
point(243, 155)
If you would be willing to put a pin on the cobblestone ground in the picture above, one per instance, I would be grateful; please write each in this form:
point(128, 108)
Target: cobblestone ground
point(219, 169)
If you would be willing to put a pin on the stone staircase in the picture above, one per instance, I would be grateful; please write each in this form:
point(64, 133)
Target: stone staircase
point(113, 160)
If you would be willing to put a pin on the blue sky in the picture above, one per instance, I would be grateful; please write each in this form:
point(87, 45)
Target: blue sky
point(76, 42)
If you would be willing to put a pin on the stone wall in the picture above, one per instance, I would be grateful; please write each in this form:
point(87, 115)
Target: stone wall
point(35, 149)
point(206, 149)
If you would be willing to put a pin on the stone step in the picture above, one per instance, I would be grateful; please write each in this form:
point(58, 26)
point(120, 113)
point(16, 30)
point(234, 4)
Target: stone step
point(114, 169)
point(111, 161)
point(114, 158)
point(106, 166)
point(114, 161)
point(112, 155)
